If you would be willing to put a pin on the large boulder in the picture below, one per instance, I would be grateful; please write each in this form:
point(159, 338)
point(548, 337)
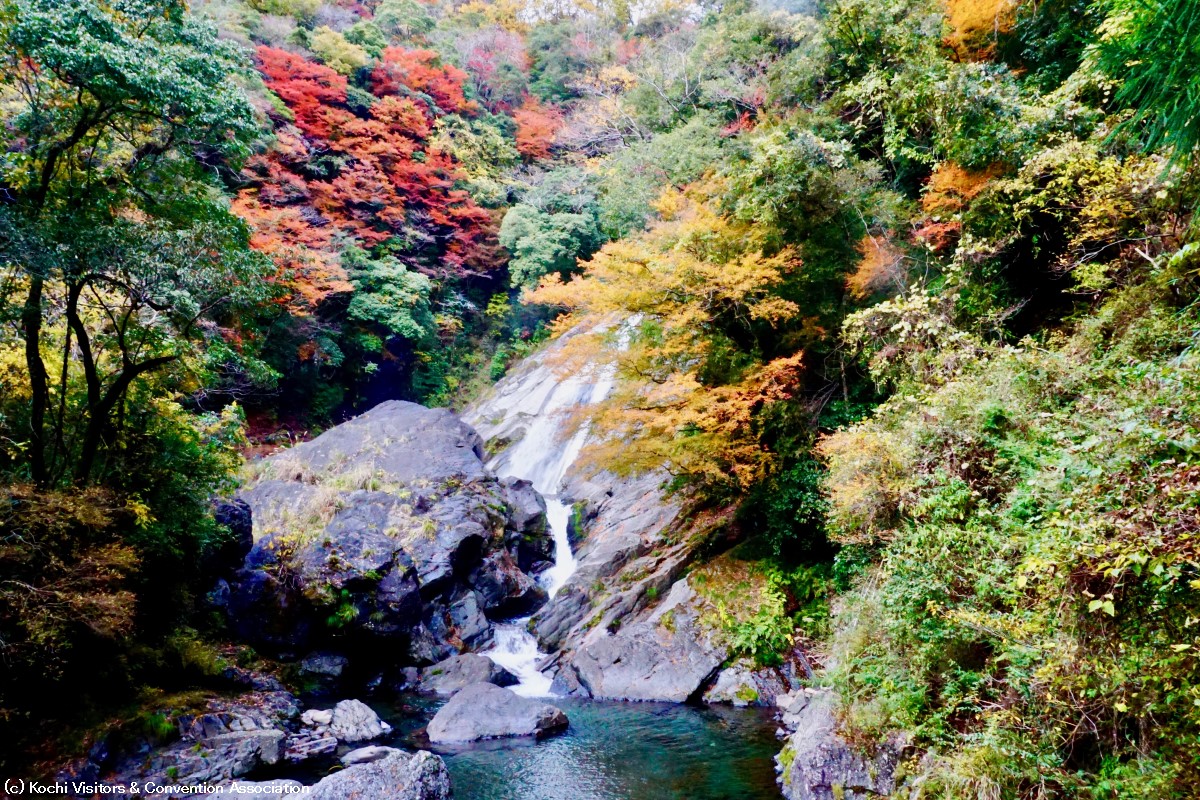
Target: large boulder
point(487, 711)
point(667, 656)
point(817, 764)
point(449, 676)
point(355, 721)
point(387, 527)
point(398, 776)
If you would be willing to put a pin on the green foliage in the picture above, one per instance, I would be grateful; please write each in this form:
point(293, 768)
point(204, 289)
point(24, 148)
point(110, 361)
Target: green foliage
point(1148, 48)
point(557, 62)
point(793, 507)
point(404, 19)
point(389, 295)
point(541, 244)
point(1036, 569)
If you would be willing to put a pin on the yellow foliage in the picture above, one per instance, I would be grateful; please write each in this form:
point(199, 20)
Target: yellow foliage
point(338, 53)
point(670, 203)
point(508, 14)
point(865, 476)
point(675, 285)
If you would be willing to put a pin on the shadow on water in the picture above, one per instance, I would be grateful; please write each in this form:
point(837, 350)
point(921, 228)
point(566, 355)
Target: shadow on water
point(620, 751)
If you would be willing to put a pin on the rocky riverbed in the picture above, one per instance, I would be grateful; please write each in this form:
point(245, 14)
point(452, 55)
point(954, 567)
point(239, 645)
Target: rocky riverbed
point(390, 555)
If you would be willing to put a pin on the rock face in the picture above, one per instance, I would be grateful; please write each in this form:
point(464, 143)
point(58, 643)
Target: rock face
point(666, 656)
point(486, 711)
point(614, 642)
point(449, 676)
point(740, 684)
point(387, 527)
point(817, 764)
point(397, 776)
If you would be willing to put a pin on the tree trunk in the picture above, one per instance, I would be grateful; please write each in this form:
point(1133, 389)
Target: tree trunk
point(99, 414)
point(31, 322)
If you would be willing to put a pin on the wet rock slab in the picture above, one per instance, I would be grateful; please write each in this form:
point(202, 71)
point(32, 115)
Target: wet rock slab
point(448, 677)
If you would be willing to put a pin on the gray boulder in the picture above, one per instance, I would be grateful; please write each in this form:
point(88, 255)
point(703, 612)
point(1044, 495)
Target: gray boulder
point(740, 684)
point(487, 711)
point(324, 668)
point(230, 739)
point(449, 676)
point(235, 516)
point(666, 656)
point(817, 764)
point(355, 721)
point(387, 522)
point(398, 776)
point(367, 755)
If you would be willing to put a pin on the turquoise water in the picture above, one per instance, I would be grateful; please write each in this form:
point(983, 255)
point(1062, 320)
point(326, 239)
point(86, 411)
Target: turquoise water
point(623, 751)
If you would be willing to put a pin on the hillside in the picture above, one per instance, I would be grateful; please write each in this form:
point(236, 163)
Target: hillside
point(877, 322)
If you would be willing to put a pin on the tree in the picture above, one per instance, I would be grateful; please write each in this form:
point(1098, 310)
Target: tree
point(543, 244)
point(125, 113)
point(697, 290)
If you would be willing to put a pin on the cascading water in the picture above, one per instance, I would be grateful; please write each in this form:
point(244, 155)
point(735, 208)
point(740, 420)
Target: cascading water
point(542, 459)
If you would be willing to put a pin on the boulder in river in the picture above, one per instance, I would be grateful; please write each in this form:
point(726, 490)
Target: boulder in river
point(355, 721)
point(487, 711)
point(398, 776)
point(666, 656)
point(389, 527)
point(449, 676)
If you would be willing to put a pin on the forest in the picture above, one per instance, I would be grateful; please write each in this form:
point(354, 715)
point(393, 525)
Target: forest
point(907, 295)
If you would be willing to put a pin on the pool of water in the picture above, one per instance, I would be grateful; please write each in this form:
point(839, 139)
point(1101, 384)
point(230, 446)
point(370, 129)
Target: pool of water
point(619, 751)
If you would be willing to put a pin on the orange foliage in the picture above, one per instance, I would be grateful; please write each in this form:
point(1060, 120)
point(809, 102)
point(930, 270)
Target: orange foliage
point(975, 24)
point(537, 125)
point(376, 181)
point(951, 187)
point(939, 236)
point(400, 71)
point(882, 264)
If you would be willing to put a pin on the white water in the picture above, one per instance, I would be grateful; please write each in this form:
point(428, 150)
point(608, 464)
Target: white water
point(541, 458)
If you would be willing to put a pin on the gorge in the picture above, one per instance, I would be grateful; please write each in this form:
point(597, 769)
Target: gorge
point(597, 399)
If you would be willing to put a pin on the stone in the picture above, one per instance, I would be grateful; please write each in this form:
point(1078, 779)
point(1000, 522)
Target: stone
point(449, 676)
point(665, 657)
point(229, 553)
point(735, 685)
point(486, 711)
point(740, 684)
point(355, 721)
point(365, 755)
point(398, 776)
point(323, 666)
point(394, 514)
point(317, 717)
point(219, 757)
point(309, 744)
point(817, 764)
point(504, 589)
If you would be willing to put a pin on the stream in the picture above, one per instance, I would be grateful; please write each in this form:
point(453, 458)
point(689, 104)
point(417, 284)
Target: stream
point(612, 751)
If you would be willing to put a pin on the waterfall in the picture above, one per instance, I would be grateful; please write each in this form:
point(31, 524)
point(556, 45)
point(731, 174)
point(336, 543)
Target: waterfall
point(541, 458)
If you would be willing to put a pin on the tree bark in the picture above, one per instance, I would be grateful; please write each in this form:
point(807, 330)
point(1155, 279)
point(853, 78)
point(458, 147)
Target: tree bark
point(31, 322)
